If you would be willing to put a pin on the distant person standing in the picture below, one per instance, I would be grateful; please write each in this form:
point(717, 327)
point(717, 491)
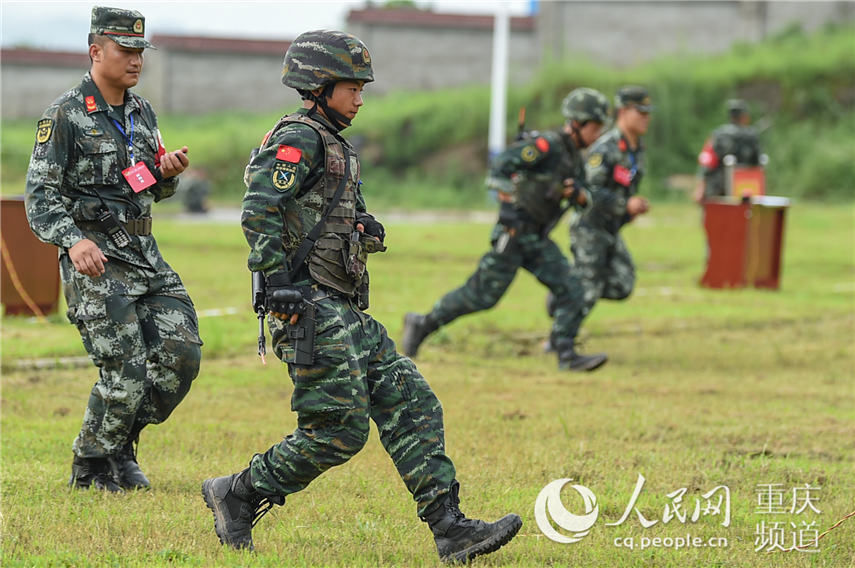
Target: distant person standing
point(97, 167)
point(195, 189)
point(614, 171)
point(736, 138)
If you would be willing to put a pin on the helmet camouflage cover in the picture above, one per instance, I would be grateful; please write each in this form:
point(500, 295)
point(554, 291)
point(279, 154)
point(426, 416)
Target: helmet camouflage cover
point(583, 105)
point(318, 58)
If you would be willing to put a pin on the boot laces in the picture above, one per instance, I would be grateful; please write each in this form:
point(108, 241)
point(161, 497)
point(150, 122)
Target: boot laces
point(263, 507)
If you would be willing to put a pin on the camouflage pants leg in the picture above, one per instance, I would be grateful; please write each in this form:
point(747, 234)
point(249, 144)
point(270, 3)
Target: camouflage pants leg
point(603, 264)
point(544, 260)
point(140, 329)
point(485, 287)
point(357, 376)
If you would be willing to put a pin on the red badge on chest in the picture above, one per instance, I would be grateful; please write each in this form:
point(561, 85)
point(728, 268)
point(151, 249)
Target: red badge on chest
point(139, 177)
point(623, 176)
point(289, 154)
point(90, 104)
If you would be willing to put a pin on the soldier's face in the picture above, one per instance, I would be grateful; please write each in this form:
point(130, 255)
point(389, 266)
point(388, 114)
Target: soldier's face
point(637, 121)
point(346, 98)
point(590, 132)
point(120, 66)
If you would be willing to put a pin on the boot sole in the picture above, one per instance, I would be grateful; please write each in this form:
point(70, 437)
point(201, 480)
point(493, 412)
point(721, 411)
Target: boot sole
point(208, 496)
point(492, 544)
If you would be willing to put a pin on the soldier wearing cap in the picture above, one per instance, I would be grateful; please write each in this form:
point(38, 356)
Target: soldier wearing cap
point(537, 179)
point(97, 166)
point(736, 138)
point(309, 233)
point(614, 170)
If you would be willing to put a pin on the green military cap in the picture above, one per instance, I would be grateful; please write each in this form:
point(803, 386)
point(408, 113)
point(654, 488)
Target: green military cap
point(737, 106)
point(125, 27)
point(634, 96)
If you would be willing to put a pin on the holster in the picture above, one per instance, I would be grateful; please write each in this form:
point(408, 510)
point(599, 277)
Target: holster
point(303, 335)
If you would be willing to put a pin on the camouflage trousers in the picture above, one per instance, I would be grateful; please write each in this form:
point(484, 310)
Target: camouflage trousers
point(497, 269)
point(357, 375)
point(140, 329)
point(603, 264)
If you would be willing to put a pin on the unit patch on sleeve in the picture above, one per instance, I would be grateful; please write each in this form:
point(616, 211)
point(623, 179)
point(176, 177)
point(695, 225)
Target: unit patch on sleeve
point(595, 160)
point(284, 175)
point(44, 129)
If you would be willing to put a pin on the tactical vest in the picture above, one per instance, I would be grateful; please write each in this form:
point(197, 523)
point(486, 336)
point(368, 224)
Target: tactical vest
point(327, 261)
point(539, 192)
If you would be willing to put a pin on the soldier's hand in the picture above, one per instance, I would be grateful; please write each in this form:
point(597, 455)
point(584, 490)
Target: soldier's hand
point(569, 188)
point(173, 163)
point(366, 223)
point(636, 205)
point(285, 303)
point(87, 258)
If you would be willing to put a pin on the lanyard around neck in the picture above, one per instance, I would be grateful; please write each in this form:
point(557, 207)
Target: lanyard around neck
point(128, 139)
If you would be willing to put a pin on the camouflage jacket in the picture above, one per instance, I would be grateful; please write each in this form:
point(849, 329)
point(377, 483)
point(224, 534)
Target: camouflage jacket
point(739, 141)
point(613, 172)
point(530, 176)
point(278, 208)
point(77, 162)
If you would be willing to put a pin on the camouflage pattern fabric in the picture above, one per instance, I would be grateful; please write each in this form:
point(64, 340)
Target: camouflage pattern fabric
point(530, 173)
point(140, 329)
point(315, 59)
point(739, 141)
point(137, 321)
point(584, 104)
point(601, 258)
point(357, 372)
point(357, 376)
point(125, 27)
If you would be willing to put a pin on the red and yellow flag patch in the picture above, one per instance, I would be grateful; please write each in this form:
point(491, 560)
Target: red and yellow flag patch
point(289, 154)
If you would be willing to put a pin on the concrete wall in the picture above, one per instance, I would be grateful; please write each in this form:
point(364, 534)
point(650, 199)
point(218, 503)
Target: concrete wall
point(626, 33)
point(30, 81)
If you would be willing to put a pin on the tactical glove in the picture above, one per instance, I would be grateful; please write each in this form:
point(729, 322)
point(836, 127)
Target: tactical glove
point(283, 300)
point(372, 226)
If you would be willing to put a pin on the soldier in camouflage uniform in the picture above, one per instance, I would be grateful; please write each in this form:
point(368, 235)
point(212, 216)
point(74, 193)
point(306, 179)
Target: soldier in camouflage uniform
point(97, 166)
point(737, 139)
point(537, 180)
point(614, 170)
point(305, 220)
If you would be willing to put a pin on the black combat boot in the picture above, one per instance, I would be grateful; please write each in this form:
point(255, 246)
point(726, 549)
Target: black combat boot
point(237, 506)
point(93, 473)
point(127, 469)
point(416, 328)
point(459, 539)
point(570, 360)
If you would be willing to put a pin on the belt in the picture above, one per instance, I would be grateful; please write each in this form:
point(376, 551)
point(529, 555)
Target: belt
point(140, 227)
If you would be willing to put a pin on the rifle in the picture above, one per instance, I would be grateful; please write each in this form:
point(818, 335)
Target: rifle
point(521, 124)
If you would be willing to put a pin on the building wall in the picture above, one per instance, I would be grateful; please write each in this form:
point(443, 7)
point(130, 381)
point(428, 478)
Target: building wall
point(413, 58)
point(625, 33)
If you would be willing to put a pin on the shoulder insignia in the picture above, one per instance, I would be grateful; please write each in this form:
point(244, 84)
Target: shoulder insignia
point(284, 176)
point(595, 160)
point(44, 129)
point(621, 145)
point(542, 144)
point(288, 154)
point(528, 153)
point(90, 104)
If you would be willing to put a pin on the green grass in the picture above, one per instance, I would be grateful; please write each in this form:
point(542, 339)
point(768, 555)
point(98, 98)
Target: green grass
point(703, 388)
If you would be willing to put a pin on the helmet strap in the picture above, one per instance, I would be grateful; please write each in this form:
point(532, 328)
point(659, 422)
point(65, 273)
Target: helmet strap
point(338, 120)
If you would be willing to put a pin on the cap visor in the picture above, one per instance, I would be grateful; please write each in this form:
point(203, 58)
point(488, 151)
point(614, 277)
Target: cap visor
point(133, 42)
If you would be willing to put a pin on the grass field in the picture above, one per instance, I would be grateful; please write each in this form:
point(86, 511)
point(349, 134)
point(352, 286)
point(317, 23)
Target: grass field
point(742, 389)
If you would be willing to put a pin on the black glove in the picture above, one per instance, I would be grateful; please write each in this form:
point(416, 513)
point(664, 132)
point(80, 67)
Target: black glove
point(283, 298)
point(372, 226)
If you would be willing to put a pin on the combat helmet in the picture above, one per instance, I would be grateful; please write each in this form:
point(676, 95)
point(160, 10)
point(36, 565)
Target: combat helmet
point(584, 105)
point(318, 58)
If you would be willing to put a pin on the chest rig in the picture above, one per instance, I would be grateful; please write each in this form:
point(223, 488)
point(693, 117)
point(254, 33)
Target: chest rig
point(540, 190)
point(328, 210)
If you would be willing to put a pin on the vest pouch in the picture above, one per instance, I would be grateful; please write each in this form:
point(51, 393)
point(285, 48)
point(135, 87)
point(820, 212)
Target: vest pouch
point(328, 261)
point(539, 195)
